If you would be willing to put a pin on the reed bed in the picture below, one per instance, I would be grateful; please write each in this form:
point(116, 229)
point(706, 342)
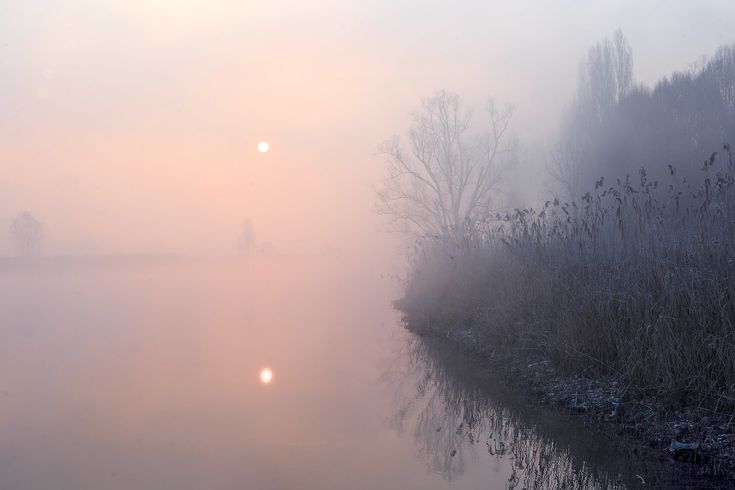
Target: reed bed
point(635, 281)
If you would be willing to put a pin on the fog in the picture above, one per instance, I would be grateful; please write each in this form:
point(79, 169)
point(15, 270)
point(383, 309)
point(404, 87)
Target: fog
point(132, 128)
point(212, 211)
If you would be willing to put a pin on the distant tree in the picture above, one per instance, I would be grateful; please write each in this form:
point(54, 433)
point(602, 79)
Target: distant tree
point(605, 78)
point(565, 159)
point(247, 237)
point(447, 179)
point(623, 64)
point(27, 234)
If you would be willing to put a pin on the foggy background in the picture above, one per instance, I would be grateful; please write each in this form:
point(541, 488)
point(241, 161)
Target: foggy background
point(131, 127)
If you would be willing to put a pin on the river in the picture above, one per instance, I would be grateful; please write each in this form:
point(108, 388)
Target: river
point(126, 375)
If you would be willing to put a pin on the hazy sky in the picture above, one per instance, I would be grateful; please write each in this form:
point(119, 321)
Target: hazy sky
point(132, 126)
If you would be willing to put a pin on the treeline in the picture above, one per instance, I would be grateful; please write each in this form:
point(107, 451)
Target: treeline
point(614, 126)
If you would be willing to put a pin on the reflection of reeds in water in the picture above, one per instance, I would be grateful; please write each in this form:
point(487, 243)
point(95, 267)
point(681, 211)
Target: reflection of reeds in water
point(458, 415)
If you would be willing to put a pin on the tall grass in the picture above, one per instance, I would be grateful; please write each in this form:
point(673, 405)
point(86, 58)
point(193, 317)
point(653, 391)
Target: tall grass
point(636, 281)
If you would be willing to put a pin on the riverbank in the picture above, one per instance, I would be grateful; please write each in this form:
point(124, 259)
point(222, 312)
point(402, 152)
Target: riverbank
point(620, 306)
point(692, 435)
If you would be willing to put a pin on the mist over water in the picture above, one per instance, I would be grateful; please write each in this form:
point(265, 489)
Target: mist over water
point(198, 261)
point(150, 376)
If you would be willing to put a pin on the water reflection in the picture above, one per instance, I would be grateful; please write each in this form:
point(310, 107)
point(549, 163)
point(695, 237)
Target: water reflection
point(460, 416)
point(132, 377)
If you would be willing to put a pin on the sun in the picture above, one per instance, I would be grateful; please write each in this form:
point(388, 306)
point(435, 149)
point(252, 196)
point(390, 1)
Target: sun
point(266, 376)
point(263, 147)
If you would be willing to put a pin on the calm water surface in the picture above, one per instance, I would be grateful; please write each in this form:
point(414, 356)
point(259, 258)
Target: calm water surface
point(149, 377)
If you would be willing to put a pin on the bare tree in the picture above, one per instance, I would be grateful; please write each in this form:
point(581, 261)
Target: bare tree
point(623, 64)
point(605, 76)
point(448, 177)
point(565, 160)
point(605, 79)
point(27, 234)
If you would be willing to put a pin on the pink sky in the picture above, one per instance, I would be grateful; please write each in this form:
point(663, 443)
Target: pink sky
point(133, 128)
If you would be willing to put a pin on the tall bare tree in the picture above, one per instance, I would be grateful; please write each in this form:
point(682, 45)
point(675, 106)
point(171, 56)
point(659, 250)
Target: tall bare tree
point(27, 234)
point(446, 179)
point(605, 78)
point(565, 159)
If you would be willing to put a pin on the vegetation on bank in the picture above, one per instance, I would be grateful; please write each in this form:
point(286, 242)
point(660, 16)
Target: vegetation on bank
point(635, 281)
point(632, 279)
point(623, 289)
